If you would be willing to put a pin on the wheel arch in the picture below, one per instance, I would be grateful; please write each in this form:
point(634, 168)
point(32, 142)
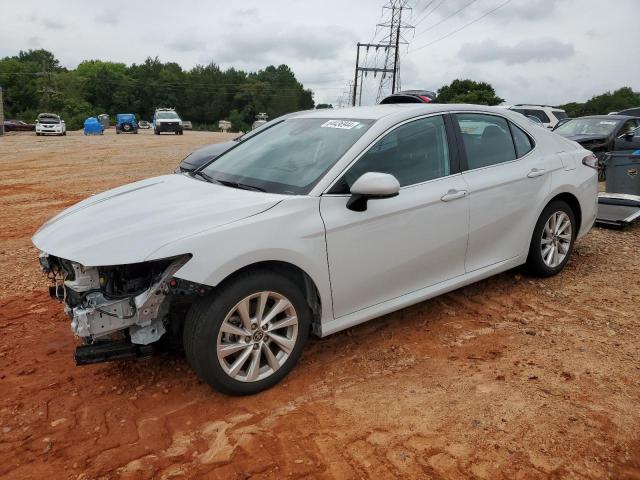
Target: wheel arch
point(573, 202)
point(294, 273)
point(568, 197)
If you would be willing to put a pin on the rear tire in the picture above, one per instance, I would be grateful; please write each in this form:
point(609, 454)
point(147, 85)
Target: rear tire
point(553, 240)
point(237, 359)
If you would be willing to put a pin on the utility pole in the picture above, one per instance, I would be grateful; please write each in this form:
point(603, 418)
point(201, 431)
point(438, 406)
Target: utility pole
point(1, 114)
point(364, 70)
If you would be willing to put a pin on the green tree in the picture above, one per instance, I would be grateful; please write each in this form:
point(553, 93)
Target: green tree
point(204, 94)
point(468, 91)
point(615, 101)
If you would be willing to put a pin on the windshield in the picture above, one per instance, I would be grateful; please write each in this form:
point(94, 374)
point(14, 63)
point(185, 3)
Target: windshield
point(587, 126)
point(166, 115)
point(289, 157)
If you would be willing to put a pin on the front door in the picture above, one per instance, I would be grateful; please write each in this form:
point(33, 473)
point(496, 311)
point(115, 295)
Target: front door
point(402, 244)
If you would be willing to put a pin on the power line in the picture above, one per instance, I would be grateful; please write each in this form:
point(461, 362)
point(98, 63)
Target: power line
point(429, 13)
point(418, 15)
point(461, 28)
point(446, 18)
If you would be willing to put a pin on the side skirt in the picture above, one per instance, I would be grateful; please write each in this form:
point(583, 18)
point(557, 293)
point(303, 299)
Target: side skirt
point(398, 303)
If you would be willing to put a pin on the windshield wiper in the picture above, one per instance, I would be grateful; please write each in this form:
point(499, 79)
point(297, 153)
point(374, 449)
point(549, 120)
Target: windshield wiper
point(242, 186)
point(205, 177)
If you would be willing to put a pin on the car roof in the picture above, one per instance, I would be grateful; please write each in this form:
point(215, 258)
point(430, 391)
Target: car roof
point(407, 110)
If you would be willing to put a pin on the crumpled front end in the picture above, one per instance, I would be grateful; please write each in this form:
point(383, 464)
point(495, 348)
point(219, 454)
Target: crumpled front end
point(129, 304)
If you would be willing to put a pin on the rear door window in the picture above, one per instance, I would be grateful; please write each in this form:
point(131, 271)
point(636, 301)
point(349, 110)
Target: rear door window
point(521, 140)
point(487, 139)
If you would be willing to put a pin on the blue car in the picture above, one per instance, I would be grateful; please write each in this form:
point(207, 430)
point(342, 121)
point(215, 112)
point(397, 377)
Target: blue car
point(92, 126)
point(126, 122)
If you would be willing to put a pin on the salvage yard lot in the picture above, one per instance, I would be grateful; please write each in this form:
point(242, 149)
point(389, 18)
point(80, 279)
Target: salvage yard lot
point(513, 377)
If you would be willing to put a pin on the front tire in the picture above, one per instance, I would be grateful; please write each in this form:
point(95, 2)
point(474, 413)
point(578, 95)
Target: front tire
point(553, 239)
point(248, 334)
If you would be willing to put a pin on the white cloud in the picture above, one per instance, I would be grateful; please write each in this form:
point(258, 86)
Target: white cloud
point(546, 51)
point(525, 51)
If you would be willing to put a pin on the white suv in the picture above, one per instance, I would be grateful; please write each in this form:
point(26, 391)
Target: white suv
point(50, 124)
point(549, 116)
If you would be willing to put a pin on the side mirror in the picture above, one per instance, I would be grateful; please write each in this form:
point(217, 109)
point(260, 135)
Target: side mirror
point(372, 185)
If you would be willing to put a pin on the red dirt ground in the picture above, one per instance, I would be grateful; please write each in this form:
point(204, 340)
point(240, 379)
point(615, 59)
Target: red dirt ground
point(513, 377)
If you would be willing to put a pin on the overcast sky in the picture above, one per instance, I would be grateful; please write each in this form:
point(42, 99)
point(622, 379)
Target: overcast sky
point(541, 51)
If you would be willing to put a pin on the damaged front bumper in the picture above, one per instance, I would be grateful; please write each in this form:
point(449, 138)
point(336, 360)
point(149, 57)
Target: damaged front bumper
point(97, 312)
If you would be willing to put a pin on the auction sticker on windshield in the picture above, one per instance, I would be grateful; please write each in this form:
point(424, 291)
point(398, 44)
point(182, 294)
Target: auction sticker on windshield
point(343, 124)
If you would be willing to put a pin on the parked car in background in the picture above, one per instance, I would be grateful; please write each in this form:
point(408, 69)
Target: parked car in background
point(144, 124)
point(535, 120)
point(126, 123)
point(50, 124)
point(632, 112)
point(18, 126)
point(410, 96)
point(564, 120)
point(186, 125)
point(261, 119)
point(549, 116)
point(167, 120)
point(92, 126)
point(628, 142)
point(321, 222)
point(104, 120)
point(598, 133)
point(204, 155)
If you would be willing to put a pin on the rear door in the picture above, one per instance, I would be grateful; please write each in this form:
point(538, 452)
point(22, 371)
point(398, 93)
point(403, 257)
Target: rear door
point(402, 244)
point(508, 179)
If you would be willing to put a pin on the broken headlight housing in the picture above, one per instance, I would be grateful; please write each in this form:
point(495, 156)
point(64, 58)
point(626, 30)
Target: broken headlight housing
point(103, 300)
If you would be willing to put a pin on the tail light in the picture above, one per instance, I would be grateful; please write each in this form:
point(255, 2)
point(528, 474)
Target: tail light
point(590, 161)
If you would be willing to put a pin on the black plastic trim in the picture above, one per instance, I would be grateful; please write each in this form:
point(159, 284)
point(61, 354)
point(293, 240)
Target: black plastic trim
point(455, 154)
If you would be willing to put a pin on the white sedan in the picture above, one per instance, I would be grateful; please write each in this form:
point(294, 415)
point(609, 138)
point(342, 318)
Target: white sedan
point(320, 222)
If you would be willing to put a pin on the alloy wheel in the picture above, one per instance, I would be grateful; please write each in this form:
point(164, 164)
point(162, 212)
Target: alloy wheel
point(257, 336)
point(556, 239)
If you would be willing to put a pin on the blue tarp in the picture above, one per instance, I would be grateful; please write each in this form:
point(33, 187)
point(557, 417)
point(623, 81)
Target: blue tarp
point(92, 126)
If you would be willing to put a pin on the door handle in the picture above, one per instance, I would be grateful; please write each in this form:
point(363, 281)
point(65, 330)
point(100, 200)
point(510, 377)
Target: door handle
point(453, 195)
point(535, 172)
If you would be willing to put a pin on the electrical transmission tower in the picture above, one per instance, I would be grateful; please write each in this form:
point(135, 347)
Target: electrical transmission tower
point(390, 79)
point(390, 46)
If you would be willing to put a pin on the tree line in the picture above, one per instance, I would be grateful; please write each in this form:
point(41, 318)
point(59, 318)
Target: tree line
point(34, 81)
point(482, 93)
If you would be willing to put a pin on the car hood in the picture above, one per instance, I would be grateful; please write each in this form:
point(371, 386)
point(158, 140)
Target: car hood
point(127, 224)
point(586, 138)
